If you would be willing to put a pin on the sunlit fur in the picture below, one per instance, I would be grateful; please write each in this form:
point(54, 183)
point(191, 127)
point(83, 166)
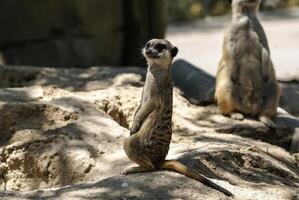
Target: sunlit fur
point(164, 58)
point(151, 130)
point(241, 6)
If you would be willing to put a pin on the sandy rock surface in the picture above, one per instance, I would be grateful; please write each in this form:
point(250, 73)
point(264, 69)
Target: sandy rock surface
point(62, 133)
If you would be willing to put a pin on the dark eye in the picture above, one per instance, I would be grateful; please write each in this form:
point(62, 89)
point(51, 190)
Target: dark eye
point(160, 47)
point(147, 45)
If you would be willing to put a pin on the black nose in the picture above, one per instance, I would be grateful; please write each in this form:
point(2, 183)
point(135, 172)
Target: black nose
point(151, 53)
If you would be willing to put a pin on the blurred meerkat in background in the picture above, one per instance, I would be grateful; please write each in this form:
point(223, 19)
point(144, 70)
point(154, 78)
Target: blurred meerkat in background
point(246, 82)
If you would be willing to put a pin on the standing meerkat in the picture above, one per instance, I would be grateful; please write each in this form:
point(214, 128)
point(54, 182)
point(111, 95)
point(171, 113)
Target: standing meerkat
point(151, 131)
point(246, 82)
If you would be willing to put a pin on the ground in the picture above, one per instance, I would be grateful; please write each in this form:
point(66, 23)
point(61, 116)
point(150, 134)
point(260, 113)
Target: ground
point(60, 141)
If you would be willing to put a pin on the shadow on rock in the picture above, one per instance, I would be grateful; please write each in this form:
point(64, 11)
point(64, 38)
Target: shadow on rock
point(195, 84)
point(72, 79)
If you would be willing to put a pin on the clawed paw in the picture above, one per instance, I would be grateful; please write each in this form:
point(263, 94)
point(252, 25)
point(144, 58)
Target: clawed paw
point(134, 127)
point(267, 121)
point(270, 124)
point(132, 132)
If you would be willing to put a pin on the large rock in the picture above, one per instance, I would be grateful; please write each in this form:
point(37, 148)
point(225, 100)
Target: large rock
point(250, 169)
point(54, 137)
point(195, 84)
point(289, 97)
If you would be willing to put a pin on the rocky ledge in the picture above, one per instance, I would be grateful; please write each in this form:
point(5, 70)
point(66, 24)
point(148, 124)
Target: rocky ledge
point(62, 132)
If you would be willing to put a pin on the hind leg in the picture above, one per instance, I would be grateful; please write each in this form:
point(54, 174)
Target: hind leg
point(271, 105)
point(145, 164)
point(138, 169)
point(223, 96)
point(228, 105)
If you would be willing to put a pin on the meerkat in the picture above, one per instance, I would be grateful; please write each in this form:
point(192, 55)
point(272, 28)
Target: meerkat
point(151, 131)
point(246, 82)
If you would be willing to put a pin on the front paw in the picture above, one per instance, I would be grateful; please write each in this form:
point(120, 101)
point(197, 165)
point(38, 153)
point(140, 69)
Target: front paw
point(132, 132)
point(267, 121)
point(135, 127)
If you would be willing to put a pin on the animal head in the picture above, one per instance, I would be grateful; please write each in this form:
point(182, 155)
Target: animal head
point(159, 52)
point(240, 5)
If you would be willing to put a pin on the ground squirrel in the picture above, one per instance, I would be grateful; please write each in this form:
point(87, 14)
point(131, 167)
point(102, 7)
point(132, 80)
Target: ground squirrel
point(151, 131)
point(246, 82)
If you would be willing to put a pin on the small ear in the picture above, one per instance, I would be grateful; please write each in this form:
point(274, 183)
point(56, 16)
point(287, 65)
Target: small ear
point(174, 51)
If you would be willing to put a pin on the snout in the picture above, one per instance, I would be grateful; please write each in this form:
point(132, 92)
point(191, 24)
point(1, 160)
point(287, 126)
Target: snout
point(151, 53)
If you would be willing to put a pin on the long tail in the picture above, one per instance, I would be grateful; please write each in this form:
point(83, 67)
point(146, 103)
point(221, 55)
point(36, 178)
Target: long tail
point(176, 166)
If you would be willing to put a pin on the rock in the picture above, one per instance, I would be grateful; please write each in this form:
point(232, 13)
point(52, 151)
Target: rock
point(53, 140)
point(196, 85)
point(295, 141)
point(70, 137)
point(289, 97)
point(247, 171)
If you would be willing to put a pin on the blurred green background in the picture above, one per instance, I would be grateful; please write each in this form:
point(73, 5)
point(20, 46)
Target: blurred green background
point(77, 33)
point(184, 10)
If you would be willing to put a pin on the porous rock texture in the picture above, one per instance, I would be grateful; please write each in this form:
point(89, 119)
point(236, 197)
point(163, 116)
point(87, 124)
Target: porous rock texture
point(61, 135)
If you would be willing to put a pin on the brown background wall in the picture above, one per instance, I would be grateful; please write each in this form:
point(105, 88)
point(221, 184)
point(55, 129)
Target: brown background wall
point(76, 33)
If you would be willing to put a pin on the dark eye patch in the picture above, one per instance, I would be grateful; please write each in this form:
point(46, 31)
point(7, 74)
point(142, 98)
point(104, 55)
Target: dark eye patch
point(147, 45)
point(160, 47)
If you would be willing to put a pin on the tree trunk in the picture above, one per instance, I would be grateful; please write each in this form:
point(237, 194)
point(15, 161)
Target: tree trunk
point(144, 20)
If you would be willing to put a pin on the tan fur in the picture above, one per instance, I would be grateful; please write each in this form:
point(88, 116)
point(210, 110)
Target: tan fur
point(163, 61)
point(246, 80)
point(151, 131)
